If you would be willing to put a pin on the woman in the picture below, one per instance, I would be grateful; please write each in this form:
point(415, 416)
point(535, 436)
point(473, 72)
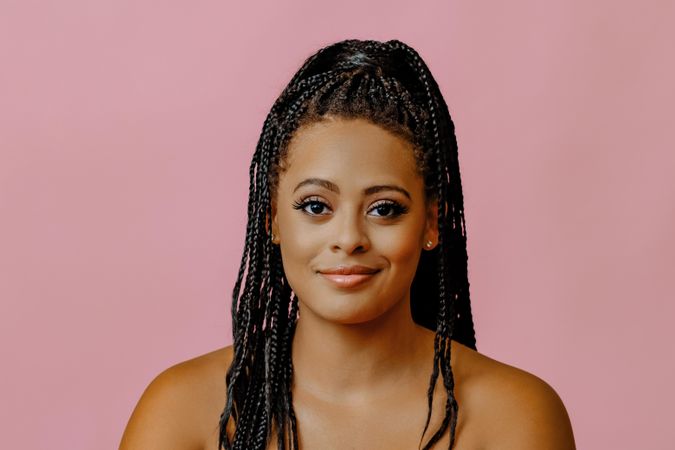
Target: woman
point(351, 316)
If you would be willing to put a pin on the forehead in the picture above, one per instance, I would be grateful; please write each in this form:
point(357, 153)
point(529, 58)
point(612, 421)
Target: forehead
point(349, 148)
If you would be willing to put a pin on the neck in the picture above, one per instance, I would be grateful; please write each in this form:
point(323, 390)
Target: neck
point(353, 362)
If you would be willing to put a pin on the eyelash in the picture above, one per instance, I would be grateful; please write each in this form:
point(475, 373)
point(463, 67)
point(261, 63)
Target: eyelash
point(398, 208)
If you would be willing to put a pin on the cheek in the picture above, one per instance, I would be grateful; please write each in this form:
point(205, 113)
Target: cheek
point(298, 255)
point(298, 247)
point(401, 247)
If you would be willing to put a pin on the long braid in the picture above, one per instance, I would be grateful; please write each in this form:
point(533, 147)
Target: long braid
point(239, 310)
point(252, 311)
point(289, 374)
point(389, 84)
point(444, 138)
point(466, 333)
point(279, 325)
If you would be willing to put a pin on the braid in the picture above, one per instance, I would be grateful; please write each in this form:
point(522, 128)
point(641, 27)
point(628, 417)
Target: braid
point(443, 137)
point(259, 307)
point(289, 373)
point(390, 85)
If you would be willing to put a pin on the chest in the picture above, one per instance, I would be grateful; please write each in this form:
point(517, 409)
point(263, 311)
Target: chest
point(394, 423)
point(391, 425)
point(374, 432)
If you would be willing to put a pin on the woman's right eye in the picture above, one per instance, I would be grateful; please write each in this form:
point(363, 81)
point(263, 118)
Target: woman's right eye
point(311, 207)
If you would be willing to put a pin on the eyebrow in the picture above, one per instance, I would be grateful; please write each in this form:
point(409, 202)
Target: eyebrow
point(367, 191)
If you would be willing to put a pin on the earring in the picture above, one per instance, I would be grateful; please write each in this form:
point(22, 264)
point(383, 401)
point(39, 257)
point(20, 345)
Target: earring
point(273, 237)
point(429, 244)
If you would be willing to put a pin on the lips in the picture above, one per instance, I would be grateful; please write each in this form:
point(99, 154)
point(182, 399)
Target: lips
point(348, 276)
point(349, 270)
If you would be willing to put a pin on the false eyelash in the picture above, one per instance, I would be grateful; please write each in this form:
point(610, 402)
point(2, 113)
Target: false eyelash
point(302, 204)
point(306, 201)
point(397, 207)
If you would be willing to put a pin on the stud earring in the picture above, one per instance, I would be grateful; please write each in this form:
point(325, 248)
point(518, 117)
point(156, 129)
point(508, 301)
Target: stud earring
point(429, 244)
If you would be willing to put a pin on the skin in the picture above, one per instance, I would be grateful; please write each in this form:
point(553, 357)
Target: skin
point(361, 365)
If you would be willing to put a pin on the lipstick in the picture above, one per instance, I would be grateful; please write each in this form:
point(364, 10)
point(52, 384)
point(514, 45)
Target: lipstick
point(348, 276)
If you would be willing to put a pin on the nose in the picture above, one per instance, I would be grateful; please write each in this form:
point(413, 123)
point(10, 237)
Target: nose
point(350, 234)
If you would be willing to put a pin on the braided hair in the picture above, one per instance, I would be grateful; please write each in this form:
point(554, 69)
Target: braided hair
point(388, 84)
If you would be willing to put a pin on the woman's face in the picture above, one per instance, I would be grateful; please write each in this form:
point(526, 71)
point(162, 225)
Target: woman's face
point(351, 196)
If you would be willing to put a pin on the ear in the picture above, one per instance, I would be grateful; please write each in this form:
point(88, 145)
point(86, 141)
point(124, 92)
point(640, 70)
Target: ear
point(274, 223)
point(431, 228)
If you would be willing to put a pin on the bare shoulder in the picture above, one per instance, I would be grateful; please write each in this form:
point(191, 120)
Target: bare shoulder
point(180, 408)
point(522, 410)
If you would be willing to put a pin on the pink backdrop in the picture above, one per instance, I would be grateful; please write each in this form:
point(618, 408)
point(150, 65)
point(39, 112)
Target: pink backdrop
point(126, 129)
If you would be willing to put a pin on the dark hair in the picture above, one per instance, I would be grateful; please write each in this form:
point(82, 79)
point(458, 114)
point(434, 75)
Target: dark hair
point(388, 84)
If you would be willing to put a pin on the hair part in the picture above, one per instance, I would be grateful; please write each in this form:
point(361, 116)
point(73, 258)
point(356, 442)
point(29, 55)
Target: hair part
point(388, 84)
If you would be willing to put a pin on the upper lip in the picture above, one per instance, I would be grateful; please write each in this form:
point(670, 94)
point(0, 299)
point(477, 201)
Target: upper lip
point(348, 270)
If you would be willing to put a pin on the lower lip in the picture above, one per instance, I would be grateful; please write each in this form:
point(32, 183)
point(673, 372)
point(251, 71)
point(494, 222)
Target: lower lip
point(348, 281)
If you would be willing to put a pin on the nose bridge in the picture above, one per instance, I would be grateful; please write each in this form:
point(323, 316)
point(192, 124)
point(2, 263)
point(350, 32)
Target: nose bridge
point(351, 232)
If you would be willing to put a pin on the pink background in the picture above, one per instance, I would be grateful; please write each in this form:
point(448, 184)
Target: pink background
point(126, 129)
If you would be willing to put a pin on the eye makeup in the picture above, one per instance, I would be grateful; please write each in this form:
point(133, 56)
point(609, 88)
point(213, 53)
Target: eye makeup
point(397, 208)
point(313, 203)
point(388, 209)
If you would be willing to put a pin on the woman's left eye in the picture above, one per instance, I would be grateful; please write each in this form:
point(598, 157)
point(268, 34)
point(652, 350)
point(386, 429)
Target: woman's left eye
point(389, 209)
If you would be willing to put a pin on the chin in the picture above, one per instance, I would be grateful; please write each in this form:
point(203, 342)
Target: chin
point(345, 309)
point(345, 317)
